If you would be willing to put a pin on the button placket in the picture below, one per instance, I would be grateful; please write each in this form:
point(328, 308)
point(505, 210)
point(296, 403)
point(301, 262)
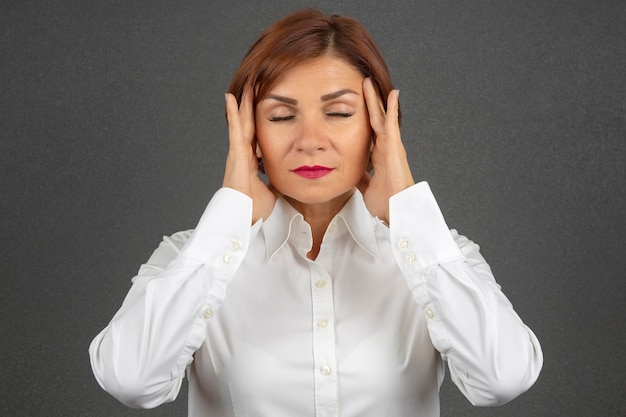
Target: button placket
point(325, 375)
point(326, 370)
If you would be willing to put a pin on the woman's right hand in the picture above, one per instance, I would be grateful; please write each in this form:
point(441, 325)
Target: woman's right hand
point(242, 168)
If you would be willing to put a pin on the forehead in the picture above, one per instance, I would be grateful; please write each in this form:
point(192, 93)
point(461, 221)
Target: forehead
point(324, 71)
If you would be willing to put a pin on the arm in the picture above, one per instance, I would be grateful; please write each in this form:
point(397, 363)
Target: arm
point(492, 355)
point(140, 357)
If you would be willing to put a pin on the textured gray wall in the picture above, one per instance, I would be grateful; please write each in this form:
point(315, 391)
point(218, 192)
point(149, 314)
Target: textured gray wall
point(112, 134)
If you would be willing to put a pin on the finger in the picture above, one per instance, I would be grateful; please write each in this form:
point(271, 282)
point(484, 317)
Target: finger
point(393, 104)
point(232, 116)
point(246, 113)
point(374, 106)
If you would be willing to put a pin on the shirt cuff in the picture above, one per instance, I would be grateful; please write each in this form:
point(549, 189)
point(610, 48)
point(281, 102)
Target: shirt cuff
point(418, 229)
point(223, 233)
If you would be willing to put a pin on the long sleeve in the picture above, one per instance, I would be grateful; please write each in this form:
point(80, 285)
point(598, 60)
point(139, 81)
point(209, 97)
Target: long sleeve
point(141, 356)
point(492, 355)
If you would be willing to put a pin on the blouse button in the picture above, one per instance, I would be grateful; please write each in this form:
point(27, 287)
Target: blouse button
point(409, 257)
point(237, 245)
point(403, 244)
point(430, 314)
point(228, 258)
point(208, 313)
point(325, 370)
point(321, 283)
point(322, 323)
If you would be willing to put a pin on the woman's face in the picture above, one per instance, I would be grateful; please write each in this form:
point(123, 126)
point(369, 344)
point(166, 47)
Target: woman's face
point(314, 133)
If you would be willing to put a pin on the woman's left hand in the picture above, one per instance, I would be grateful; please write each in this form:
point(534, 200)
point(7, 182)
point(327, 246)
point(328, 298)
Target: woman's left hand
point(392, 173)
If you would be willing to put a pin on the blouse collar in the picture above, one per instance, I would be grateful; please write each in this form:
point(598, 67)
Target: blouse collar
point(287, 224)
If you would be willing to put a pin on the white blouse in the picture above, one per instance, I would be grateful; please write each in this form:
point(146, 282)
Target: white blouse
point(363, 330)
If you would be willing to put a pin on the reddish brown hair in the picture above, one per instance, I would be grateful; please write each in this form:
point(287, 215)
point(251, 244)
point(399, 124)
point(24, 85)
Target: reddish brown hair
point(305, 35)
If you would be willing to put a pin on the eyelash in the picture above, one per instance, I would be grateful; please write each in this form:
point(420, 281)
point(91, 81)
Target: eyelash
point(287, 118)
point(281, 119)
point(339, 114)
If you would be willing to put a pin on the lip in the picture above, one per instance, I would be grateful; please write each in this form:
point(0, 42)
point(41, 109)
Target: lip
point(312, 172)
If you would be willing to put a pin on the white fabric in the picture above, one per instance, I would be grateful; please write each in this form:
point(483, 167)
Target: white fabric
point(361, 331)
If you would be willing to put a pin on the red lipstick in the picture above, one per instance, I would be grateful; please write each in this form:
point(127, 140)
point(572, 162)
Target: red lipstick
point(313, 172)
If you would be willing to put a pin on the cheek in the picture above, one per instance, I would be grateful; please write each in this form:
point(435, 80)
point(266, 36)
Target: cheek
point(362, 142)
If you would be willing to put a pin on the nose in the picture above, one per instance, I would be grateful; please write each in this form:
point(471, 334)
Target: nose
point(311, 137)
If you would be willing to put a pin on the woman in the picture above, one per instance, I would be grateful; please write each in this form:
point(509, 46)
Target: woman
point(327, 291)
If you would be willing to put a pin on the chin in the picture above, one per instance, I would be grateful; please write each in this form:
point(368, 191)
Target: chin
point(318, 196)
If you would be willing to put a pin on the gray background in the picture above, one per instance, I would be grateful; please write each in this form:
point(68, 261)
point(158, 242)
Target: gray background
point(112, 135)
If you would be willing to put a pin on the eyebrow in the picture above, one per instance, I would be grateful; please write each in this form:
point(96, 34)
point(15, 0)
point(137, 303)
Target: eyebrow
point(336, 94)
point(282, 99)
point(325, 97)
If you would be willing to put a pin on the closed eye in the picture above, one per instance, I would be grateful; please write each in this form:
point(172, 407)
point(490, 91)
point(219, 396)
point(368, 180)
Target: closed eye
point(339, 114)
point(281, 118)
